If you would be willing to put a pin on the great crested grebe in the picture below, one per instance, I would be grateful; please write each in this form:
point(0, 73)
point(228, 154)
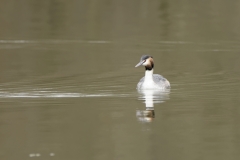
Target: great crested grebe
point(150, 80)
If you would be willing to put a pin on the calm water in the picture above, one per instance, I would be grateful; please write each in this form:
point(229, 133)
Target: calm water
point(68, 82)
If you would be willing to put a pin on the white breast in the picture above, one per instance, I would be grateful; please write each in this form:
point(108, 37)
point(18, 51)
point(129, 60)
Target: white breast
point(153, 81)
point(148, 81)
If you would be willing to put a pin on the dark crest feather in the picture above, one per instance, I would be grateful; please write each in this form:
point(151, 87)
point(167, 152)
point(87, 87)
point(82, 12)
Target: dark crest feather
point(144, 57)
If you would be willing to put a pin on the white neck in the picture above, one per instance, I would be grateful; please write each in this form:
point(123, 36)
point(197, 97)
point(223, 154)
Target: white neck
point(148, 75)
point(148, 81)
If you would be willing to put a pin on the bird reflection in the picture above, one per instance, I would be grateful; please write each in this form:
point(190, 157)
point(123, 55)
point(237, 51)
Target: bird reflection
point(150, 97)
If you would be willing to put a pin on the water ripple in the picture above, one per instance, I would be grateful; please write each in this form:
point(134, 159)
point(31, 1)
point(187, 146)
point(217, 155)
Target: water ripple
point(46, 94)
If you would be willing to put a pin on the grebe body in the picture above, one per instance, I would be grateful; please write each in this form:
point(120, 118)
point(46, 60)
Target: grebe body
point(150, 80)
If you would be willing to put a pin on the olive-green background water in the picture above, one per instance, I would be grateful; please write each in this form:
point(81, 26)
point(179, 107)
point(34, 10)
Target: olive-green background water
point(68, 82)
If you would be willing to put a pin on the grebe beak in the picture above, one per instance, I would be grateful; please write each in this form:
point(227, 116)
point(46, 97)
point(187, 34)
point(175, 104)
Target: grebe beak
point(140, 63)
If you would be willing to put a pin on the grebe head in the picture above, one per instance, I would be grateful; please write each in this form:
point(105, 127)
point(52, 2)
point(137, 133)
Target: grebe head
point(146, 61)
